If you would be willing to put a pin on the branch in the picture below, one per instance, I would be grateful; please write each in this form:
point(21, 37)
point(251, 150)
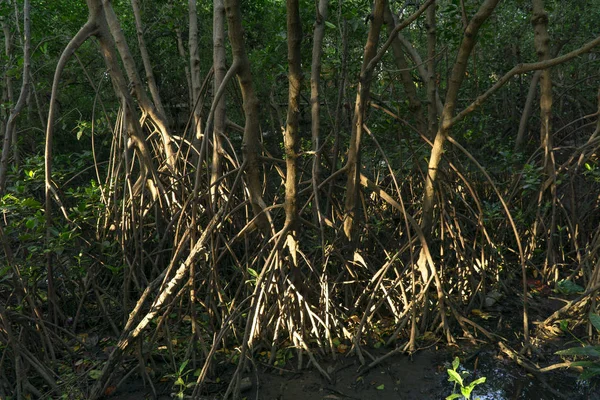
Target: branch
point(521, 69)
point(393, 35)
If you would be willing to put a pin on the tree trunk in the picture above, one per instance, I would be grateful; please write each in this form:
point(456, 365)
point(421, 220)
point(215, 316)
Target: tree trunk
point(195, 77)
point(362, 97)
point(539, 21)
point(134, 79)
point(527, 110)
point(315, 108)
point(250, 141)
point(9, 129)
point(414, 104)
point(432, 111)
point(290, 136)
point(219, 118)
point(135, 4)
point(456, 79)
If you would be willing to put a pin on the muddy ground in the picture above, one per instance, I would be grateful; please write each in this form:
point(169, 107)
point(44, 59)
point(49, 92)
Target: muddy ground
point(399, 377)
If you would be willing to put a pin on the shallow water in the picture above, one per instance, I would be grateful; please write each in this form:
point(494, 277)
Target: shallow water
point(505, 381)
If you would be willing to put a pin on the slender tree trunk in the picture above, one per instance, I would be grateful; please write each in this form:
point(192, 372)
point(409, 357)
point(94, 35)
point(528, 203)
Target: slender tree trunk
point(290, 136)
point(195, 75)
point(432, 112)
point(420, 65)
point(87, 30)
point(135, 4)
point(219, 118)
point(251, 139)
point(456, 79)
point(9, 130)
point(183, 55)
point(539, 21)
point(7, 98)
point(414, 104)
point(130, 68)
point(315, 108)
point(527, 110)
point(362, 97)
point(340, 112)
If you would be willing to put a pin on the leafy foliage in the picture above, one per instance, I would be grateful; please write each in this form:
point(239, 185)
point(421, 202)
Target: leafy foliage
point(454, 375)
point(591, 366)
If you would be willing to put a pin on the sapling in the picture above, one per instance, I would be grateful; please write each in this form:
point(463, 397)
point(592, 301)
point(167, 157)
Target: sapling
point(455, 376)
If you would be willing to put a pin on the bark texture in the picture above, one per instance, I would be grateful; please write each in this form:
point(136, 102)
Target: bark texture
point(250, 141)
point(362, 98)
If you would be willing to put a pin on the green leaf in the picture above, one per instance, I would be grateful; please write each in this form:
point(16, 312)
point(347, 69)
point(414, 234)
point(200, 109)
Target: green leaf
point(182, 367)
point(590, 351)
point(590, 372)
point(478, 381)
point(466, 391)
point(380, 387)
point(564, 325)
point(252, 272)
point(455, 363)
point(569, 287)
point(95, 374)
point(454, 377)
point(595, 320)
point(454, 396)
point(584, 364)
point(330, 25)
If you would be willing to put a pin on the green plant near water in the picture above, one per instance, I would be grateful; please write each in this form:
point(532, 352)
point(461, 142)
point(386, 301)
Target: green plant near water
point(181, 380)
point(591, 363)
point(458, 379)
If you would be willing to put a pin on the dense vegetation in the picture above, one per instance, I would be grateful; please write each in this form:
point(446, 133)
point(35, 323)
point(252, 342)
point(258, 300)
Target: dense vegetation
point(237, 179)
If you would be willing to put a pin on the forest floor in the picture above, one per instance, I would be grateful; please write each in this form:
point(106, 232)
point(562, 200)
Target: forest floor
point(421, 376)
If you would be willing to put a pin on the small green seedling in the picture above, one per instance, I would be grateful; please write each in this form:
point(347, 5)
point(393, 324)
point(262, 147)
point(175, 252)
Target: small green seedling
point(181, 380)
point(455, 376)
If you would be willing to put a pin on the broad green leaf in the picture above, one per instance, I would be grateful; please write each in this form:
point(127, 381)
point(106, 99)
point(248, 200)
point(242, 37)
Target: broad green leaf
point(252, 272)
point(478, 381)
point(380, 387)
point(183, 365)
point(330, 25)
point(29, 202)
point(454, 396)
point(466, 391)
point(590, 351)
point(569, 287)
point(455, 363)
point(455, 377)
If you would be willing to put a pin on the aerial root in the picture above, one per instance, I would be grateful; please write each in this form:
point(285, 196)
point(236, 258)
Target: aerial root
point(531, 368)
